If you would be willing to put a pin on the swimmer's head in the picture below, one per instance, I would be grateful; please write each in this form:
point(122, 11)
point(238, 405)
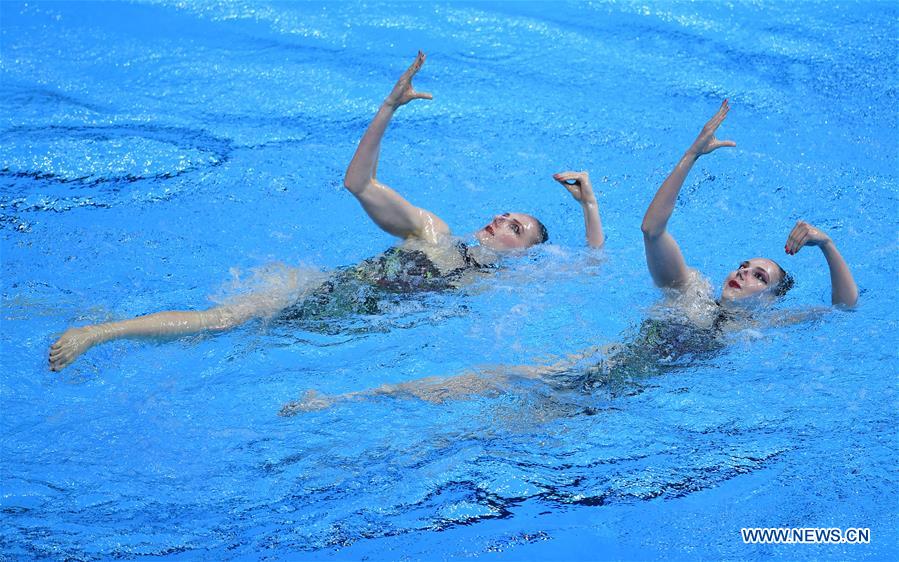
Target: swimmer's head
point(758, 277)
point(512, 231)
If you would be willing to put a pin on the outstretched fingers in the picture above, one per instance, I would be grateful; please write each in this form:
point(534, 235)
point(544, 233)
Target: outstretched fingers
point(706, 142)
point(413, 70)
point(415, 66)
point(723, 110)
point(718, 118)
point(788, 245)
point(403, 92)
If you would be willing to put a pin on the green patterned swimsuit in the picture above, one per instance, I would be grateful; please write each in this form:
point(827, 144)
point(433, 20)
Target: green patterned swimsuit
point(661, 345)
point(362, 289)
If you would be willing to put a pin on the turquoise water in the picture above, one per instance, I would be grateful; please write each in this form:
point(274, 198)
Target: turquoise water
point(168, 155)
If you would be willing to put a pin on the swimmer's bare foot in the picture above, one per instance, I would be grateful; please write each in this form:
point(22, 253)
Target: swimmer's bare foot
point(312, 401)
point(70, 345)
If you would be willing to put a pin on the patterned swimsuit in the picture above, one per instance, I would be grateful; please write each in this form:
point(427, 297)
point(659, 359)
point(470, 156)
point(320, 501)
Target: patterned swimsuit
point(660, 346)
point(363, 288)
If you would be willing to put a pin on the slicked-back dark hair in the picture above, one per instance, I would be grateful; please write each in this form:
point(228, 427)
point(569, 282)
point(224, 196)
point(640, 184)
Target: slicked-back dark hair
point(785, 284)
point(544, 234)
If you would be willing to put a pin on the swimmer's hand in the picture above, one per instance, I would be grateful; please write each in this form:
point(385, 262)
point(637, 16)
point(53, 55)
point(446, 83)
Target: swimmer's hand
point(70, 345)
point(403, 92)
point(706, 141)
point(804, 234)
point(843, 290)
point(578, 185)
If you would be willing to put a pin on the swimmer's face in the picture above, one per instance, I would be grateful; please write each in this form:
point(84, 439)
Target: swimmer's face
point(755, 277)
point(510, 231)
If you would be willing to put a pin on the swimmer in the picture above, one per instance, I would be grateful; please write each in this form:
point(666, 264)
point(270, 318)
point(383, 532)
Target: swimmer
point(690, 327)
point(390, 211)
point(756, 280)
point(428, 258)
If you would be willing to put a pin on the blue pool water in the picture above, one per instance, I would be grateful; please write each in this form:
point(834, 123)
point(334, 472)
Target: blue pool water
point(170, 155)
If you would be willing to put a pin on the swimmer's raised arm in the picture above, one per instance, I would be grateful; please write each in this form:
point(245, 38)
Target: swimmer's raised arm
point(578, 185)
point(843, 291)
point(663, 255)
point(386, 207)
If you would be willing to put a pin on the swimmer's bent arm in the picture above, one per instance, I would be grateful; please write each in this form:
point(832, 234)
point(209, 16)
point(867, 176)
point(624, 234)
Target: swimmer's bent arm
point(579, 186)
point(76, 341)
point(663, 256)
point(843, 290)
point(386, 207)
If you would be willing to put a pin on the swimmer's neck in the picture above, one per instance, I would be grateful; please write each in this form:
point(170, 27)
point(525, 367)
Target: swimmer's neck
point(481, 254)
point(741, 314)
point(748, 306)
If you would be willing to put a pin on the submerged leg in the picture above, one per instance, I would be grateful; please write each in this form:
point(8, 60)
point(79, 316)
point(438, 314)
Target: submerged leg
point(429, 389)
point(485, 382)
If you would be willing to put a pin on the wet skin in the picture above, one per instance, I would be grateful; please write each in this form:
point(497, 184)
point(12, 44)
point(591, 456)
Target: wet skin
point(753, 277)
point(510, 231)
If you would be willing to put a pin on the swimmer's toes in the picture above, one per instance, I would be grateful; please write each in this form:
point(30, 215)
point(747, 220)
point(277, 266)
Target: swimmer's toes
point(69, 346)
point(60, 358)
point(288, 410)
point(312, 401)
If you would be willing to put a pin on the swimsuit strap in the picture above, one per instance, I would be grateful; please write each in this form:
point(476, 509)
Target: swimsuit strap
point(470, 261)
point(721, 317)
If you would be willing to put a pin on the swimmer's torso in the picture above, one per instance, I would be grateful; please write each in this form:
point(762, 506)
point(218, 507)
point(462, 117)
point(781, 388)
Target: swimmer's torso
point(417, 266)
point(689, 325)
point(413, 267)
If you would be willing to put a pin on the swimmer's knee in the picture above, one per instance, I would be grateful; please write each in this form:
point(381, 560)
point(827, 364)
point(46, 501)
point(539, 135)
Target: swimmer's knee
point(222, 319)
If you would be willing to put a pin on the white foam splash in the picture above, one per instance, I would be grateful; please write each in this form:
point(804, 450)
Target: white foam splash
point(266, 290)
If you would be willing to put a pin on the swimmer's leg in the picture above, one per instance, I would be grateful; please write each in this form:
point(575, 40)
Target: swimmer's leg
point(292, 287)
point(76, 341)
point(490, 381)
point(436, 390)
point(430, 389)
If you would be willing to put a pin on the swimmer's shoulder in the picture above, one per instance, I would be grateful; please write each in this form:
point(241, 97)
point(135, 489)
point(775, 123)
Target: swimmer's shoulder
point(695, 290)
point(449, 253)
point(692, 303)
